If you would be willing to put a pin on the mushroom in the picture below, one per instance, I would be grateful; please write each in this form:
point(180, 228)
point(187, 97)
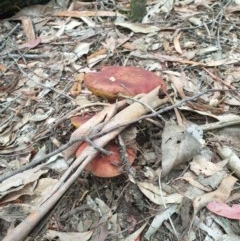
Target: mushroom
point(103, 165)
point(78, 120)
point(107, 165)
point(113, 81)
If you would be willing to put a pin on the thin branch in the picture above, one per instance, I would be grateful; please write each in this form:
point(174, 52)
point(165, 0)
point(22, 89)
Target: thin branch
point(91, 137)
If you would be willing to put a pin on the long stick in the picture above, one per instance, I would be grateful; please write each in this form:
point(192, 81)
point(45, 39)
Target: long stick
point(129, 113)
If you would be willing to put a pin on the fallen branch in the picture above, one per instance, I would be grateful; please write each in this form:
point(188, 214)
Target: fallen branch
point(93, 126)
point(89, 137)
point(127, 115)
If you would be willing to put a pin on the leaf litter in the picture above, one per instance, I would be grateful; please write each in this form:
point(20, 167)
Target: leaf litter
point(185, 177)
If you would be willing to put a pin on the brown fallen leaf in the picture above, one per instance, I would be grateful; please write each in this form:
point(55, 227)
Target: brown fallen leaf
point(77, 85)
point(201, 166)
point(177, 44)
point(221, 194)
point(178, 147)
point(232, 158)
point(157, 196)
point(51, 234)
point(28, 29)
point(128, 114)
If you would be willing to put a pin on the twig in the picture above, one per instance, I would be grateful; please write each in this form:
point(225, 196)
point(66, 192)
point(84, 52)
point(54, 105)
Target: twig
point(165, 206)
point(75, 111)
point(92, 136)
point(161, 111)
point(136, 109)
point(221, 124)
point(26, 56)
point(124, 157)
point(214, 77)
point(41, 159)
point(24, 228)
point(147, 106)
point(12, 30)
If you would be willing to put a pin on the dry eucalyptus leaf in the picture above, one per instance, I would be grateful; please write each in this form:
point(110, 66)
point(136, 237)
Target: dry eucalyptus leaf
point(16, 211)
point(190, 178)
point(178, 147)
point(81, 48)
point(195, 21)
point(177, 43)
point(20, 180)
point(138, 27)
point(41, 115)
point(200, 165)
point(158, 221)
point(136, 234)
point(17, 193)
point(208, 227)
point(229, 237)
point(162, 6)
point(233, 160)
point(221, 194)
point(158, 196)
point(74, 236)
point(212, 181)
point(230, 136)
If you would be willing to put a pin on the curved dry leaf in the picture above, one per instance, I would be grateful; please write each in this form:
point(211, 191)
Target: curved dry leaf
point(178, 83)
point(232, 100)
point(20, 180)
point(190, 179)
point(138, 27)
point(157, 196)
point(135, 236)
point(21, 211)
point(158, 220)
point(232, 158)
point(41, 117)
point(221, 194)
point(164, 6)
point(177, 44)
point(31, 44)
point(77, 85)
point(195, 21)
point(229, 237)
point(73, 236)
point(81, 48)
point(17, 193)
point(96, 57)
point(178, 147)
point(232, 8)
point(201, 166)
point(229, 135)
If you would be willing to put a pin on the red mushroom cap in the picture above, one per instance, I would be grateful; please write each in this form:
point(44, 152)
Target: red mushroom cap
point(78, 120)
point(107, 165)
point(129, 81)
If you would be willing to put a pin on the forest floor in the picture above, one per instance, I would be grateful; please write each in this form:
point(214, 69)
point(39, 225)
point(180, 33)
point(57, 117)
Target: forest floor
point(184, 181)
